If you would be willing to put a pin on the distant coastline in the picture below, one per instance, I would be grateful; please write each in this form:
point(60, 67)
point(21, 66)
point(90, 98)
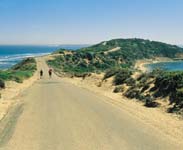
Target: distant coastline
point(12, 54)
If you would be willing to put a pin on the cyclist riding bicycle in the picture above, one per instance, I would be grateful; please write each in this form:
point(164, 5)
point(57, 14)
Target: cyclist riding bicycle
point(50, 72)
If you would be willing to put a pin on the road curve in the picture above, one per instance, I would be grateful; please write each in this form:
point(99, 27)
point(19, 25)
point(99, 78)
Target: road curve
point(60, 116)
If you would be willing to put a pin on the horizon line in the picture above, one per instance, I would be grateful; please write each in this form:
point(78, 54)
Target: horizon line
point(44, 44)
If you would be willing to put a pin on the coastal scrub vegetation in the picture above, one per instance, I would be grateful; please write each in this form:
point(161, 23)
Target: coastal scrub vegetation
point(148, 87)
point(159, 84)
point(122, 76)
point(19, 72)
point(117, 53)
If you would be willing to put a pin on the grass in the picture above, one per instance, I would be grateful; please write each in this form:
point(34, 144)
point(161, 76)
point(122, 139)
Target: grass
point(19, 72)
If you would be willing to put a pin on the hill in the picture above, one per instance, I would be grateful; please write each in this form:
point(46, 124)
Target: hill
point(117, 53)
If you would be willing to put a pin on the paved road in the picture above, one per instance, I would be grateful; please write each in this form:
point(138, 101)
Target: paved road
point(60, 116)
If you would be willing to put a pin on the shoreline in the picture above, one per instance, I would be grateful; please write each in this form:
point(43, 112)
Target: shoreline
point(6, 64)
point(141, 64)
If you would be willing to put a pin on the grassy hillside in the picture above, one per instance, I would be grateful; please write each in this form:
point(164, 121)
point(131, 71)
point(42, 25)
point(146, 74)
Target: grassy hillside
point(19, 72)
point(137, 48)
point(118, 53)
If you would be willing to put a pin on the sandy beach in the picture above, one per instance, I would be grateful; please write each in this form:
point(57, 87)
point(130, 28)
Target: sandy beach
point(141, 64)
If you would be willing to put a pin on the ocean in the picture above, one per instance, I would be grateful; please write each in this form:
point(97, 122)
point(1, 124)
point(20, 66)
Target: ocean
point(169, 66)
point(10, 55)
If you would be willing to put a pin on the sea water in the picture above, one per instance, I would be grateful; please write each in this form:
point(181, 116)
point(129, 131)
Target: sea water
point(10, 55)
point(169, 66)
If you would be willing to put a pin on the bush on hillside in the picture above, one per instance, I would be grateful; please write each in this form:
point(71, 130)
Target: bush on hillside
point(177, 98)
point(145, 87)
point(167, 84)
point(133, 93)
point(2, 84)
point(25, 65)
point(122, 76)
point(111, 72)
point(149, 102)
point(118, 89)
point(130, 81)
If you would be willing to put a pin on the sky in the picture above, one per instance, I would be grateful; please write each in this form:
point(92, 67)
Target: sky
point(89, 21)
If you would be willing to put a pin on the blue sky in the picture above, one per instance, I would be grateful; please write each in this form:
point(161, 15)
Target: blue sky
point(89, 21)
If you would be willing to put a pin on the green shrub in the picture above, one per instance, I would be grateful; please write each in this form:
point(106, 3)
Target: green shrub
point(82, 75)
point(26, 64)
point(145, 87)
point(177, 98)
point(130, 81)
point(111, 72)
point(149, 102)
point(133, 93)
point(2, 84)
point(122, 76)
point(118, 89)
point(167, 83)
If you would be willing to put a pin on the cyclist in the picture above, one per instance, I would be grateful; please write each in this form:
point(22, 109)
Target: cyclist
point(41, 73)
point(50, 72)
